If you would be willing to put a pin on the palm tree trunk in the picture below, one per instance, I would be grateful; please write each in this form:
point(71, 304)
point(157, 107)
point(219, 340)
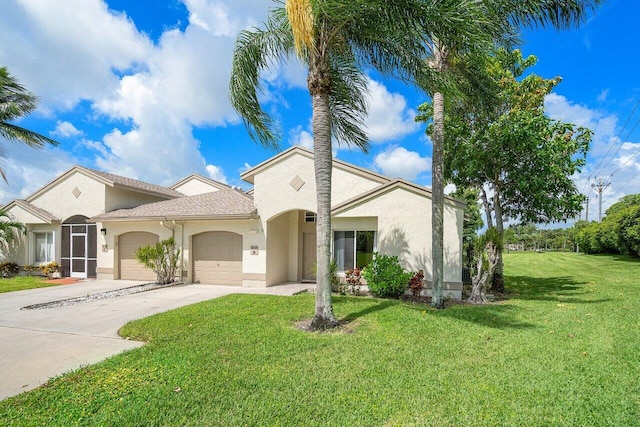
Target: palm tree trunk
point(437, 203)
point(323, 162)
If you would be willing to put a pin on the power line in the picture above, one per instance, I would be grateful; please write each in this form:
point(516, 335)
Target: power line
point(600, 185)
point(618, 141)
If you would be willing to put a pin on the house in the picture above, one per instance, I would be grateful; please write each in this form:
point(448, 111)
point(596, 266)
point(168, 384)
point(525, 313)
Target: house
point(92, 223)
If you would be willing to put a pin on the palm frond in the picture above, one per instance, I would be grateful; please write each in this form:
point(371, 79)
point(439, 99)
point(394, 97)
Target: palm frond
point(258, 50)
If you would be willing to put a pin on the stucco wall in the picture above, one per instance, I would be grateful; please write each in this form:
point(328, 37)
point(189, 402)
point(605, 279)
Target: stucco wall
point(278, 249)
point(61, 201)
point(404, 229)
point(194, 187)
point(253, 266)
point(273, 193)
point(119, 198)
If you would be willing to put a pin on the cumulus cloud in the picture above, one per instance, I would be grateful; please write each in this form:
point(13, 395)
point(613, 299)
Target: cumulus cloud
point(216, 173)
point(301, 137)
point(65, 130)
point(389, 117)
point(402, 163)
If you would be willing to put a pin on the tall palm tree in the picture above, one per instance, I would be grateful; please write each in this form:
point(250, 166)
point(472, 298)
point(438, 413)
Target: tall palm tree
point(16, 102)
point(508, 17)
point(337, 40)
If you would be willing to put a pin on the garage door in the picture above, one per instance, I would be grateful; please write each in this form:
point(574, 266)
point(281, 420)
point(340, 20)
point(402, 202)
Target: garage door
point(130, 268)
point(217, 258)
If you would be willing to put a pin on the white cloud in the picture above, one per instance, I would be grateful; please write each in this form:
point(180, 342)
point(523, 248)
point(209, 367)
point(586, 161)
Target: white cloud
point(28, 169)
point(65, 130)
point(301, 137)
point(399, 162)
point(389, 117)
point(216, 173)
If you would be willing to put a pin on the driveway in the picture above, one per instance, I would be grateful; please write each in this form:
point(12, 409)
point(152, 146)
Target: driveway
point(38, 344)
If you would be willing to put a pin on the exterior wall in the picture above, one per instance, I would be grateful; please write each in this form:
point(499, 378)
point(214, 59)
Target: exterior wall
point(253, 266)
point(404, 229)
point(278, 248)
point(273, 193)
point(108, 245)
point(119, 198)
point(61, 202)
point(193, 187)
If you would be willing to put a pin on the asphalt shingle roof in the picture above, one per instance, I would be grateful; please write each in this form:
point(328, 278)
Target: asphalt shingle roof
point(226, 202)
point(135, 184)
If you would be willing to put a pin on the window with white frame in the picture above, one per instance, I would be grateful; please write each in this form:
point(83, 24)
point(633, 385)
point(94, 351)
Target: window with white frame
point(353, 249)
point(43, 248)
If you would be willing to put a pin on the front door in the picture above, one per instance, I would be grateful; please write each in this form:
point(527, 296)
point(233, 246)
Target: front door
point(309, 256)
point(78, 252)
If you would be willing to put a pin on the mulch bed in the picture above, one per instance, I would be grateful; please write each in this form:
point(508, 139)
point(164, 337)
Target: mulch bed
point(63, 281)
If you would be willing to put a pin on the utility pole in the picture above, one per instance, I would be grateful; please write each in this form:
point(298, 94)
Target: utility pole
point(600, 185)
point(586, 217)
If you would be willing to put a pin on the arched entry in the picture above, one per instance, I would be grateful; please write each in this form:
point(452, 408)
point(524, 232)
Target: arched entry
point(78, 247)
point(128, 265)
point(217, 258)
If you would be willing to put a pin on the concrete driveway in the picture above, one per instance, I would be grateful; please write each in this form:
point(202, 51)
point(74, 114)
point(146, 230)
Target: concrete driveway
point(38, 344)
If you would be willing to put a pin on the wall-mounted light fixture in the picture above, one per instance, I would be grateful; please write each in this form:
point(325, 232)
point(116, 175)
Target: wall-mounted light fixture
point(103, 231)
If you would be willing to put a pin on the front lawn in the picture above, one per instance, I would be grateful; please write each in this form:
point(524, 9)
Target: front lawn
point(20, 283)
point(563, 350)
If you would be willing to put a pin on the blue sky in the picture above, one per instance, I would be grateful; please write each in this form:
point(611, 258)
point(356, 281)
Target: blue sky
point(140, 89)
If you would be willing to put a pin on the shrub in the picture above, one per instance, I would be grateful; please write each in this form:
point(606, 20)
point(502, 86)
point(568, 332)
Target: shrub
point(50, 268)
point(385, 276)
point(416, 284)
point(8, 269)
point(352, 282)
point(162, 259)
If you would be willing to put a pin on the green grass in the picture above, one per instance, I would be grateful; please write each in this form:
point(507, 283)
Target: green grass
point(20, 283)
point(563, 350)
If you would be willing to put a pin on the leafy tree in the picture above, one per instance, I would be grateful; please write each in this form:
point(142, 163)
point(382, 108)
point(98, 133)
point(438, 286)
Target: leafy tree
point(16, 102)
point(10, 230)
point(162, 258)
point(337, 40)
point(472, 223)
point(464, 62)
point(510, 147)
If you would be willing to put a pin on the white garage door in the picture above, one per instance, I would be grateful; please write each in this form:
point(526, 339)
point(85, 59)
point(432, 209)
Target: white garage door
point(217, 258)
point(130, 268)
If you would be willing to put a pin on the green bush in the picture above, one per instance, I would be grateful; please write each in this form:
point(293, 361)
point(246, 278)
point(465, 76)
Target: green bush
point(385, 276)
point(162, 259)
point(8, 269)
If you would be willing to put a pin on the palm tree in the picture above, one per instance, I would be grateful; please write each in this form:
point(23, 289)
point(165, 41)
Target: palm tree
point(16, 102)
point(9, 229)
point(507, 17)
point(337, 40)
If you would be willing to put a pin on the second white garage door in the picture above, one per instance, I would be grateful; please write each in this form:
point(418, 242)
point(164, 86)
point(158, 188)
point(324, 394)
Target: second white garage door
point(217, 258)
point(130, 268)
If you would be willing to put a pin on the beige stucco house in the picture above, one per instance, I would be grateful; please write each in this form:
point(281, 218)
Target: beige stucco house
point(93, 222)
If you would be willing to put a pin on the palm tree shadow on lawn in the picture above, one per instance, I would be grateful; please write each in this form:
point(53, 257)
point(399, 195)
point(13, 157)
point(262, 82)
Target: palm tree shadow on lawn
point(564, 289)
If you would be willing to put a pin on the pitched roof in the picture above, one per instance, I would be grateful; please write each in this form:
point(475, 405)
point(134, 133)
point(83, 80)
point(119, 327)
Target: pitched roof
point(44, 215)
point(113, 180)
point(384, 188)
point(225, 203)
point(195, 176)
point(296, 149)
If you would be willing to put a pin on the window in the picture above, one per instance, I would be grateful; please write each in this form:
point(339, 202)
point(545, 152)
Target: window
point(43, 248)
point(353, 249)
point(310, 216)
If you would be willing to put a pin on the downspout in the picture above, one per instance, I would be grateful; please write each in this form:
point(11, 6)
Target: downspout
point(181, 224)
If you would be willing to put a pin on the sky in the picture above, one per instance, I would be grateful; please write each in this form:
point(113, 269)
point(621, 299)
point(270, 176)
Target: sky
point(140, 89)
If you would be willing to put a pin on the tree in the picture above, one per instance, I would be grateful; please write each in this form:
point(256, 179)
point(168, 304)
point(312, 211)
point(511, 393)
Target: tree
point(337, 41)
point(472, 223)
point(487, 248)
point(16, 102)
point(163, 259)
point(520, 159)
point(10, 229)
point(505, 18)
